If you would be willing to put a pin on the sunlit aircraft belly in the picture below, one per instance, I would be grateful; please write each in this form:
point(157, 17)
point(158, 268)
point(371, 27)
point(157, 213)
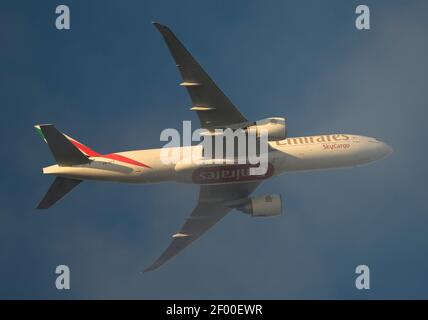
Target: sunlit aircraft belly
point(310, 154)
point(292, 154)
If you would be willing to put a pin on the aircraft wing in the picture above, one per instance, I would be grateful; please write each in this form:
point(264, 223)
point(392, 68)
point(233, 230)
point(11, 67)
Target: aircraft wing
point(215, 201)
point(214, 109)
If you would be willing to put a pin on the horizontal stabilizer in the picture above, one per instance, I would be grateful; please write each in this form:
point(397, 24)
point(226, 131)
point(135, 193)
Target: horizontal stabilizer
point(59, 188)
point(64, 152)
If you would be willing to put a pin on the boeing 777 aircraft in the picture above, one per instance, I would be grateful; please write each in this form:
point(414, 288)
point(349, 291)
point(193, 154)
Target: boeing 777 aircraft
point(223, 187)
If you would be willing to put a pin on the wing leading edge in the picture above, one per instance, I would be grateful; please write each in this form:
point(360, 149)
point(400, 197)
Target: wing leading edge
point(214, 203)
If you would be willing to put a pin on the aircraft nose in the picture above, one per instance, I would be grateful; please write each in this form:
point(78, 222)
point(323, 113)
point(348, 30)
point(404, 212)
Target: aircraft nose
point(385, 149)
point(389, 149)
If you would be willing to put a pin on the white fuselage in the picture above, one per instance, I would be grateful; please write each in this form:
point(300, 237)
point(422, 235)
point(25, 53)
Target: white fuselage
point(291, 154)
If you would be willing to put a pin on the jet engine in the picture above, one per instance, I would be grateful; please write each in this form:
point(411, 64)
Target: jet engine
point(265, 206)
point(275, 127)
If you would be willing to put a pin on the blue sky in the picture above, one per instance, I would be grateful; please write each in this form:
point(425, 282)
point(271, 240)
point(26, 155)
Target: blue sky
point(111, 83)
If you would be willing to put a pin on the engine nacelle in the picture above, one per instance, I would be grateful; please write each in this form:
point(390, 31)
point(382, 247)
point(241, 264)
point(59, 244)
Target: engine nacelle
point(265, 206)
point(275, 127)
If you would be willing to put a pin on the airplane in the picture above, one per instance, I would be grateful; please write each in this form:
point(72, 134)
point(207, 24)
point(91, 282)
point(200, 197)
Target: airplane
point(222, 187)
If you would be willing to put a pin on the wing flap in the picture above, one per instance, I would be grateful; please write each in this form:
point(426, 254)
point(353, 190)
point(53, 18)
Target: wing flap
point(202, 89)
point(194, 227)
point(213, 205)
